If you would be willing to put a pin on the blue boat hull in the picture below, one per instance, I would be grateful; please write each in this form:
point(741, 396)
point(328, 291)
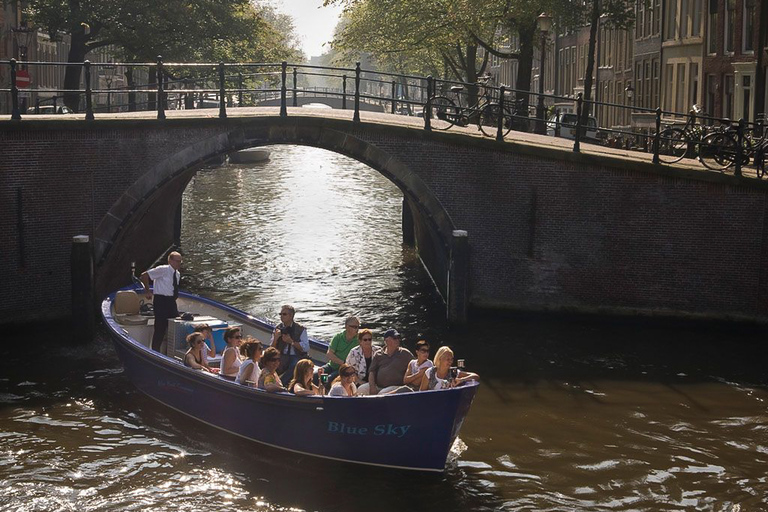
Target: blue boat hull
point(408, 431)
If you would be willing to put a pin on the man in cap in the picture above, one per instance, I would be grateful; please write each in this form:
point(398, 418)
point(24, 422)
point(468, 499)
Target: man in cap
point(388, 367)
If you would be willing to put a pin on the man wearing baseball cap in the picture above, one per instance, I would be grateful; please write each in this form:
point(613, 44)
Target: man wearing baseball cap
point(387, 367)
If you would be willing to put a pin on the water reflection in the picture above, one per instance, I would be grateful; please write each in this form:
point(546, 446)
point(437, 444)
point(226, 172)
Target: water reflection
point(571, 415)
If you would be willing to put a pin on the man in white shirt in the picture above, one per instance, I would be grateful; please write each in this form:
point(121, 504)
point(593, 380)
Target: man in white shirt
point(165, 280)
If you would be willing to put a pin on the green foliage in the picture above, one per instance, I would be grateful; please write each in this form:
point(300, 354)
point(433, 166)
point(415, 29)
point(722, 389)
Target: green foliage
point(180, 30)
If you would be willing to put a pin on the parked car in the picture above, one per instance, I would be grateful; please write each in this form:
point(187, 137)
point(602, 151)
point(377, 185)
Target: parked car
point(567, 122)
point(49, 110)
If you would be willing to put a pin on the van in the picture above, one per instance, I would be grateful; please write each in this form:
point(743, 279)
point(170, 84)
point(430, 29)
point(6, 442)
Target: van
point(567, 122)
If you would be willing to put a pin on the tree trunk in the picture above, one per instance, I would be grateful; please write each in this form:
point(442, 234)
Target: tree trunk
point(72, 74)
point(594, 23)
point(526, 33)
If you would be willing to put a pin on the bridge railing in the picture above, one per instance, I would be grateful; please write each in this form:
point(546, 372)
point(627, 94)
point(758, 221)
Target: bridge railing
point(496, 110)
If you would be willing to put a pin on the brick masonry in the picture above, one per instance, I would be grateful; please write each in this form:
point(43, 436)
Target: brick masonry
point(548, 229)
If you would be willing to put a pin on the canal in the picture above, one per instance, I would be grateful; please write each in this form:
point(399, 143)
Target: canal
point(572, 413)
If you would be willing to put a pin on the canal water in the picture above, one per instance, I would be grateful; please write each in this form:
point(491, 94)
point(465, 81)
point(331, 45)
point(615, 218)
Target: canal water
point(572, 414)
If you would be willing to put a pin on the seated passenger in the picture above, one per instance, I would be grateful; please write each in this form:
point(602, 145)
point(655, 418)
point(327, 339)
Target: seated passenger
point(388, 367)
point(210, 347)
point(302, 379)
point(418, 367)
point(340, 346)
point(194, 356)
point(230, 358)
point(344, 384)
point(269, 380)
point(360, 357)
point(249, 372)
point(442, 376)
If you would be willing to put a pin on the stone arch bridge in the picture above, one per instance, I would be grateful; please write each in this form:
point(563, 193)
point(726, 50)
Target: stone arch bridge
point(524, 224)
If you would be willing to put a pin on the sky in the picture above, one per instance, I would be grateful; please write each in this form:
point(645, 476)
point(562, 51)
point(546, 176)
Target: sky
point(314, 23)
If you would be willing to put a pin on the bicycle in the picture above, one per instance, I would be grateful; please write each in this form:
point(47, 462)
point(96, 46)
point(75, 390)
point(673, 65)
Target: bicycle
point(486, 111)
point(675, 142)
point(720, 150)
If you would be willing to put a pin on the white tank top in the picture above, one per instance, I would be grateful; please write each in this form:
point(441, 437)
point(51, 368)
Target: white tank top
point(237, 360)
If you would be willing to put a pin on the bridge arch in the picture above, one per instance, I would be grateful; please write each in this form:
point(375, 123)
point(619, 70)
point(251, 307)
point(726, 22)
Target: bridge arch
point(151, 202)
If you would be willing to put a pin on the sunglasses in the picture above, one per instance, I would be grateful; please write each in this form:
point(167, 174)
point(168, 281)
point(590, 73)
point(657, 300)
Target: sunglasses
point(354, 326)
point(367, 339)
point(237, 336)
point(349, 374)
point(424, 350)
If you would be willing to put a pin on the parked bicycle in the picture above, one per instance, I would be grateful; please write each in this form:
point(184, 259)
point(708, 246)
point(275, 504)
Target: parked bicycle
point(720, 150)
point(676, 142)
point(486, 113)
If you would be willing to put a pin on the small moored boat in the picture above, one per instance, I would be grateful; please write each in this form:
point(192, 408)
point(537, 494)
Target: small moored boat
point(407, 431)
point(250, 155)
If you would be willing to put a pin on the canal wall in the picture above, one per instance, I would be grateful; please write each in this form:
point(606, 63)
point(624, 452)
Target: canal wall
point(547, 229)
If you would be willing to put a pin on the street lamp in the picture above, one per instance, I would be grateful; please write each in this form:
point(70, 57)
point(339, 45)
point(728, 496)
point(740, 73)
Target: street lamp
point(544, 22)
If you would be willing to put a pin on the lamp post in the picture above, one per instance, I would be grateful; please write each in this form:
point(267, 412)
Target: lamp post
point(544, 22)
point(109, 75)
point(630, 92)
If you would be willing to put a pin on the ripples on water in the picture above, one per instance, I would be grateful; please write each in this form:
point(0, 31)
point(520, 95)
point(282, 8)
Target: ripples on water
point(570, 415)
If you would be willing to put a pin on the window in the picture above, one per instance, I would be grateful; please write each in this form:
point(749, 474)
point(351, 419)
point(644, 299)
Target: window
point(746, 88)
point(728, 97)
point(639, 14)
point(639, 87)
point(748, 45)
point(650, 101)
point(669, 69)
point(671, 20)
point(712, 27)
point(695, 18)
point(680, 100)
point(709, 107)
point(684, 18)
point(656, 17)
point(693, 95)
point(730, 22)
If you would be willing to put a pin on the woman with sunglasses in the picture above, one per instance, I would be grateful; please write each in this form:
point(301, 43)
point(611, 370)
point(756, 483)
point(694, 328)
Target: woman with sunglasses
point(302, 384)
point(344, 384)
point(194, 356)
point(442, 376)
point(230, 358)
point(359, 358)
point(269, 380)
point(417, 368)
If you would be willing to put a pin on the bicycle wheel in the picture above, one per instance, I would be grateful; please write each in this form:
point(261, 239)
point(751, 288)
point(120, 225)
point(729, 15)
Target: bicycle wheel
point(672, 145)
point(489, 121)
point(718, 151)
point(444, 113)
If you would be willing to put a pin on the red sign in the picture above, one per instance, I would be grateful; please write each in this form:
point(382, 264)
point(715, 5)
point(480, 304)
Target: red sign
point(22, 79)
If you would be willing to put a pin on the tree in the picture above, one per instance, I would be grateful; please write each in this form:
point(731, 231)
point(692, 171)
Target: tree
point(416, 36)
point(186, 30)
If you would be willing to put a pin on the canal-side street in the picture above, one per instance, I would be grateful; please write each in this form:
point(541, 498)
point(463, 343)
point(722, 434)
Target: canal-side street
point(587, 414)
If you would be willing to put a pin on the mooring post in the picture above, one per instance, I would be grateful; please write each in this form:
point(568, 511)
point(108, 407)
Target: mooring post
point(458, 278)
point(409, 236)
point(83, 306)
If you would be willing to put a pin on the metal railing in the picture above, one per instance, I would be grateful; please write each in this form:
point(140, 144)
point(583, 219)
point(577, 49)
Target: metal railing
point(497, 110)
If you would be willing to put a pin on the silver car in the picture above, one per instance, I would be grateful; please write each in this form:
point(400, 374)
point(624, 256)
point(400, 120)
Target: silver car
point(567, 122)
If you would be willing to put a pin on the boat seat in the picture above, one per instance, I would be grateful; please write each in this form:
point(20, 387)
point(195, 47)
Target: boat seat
point(127, 304)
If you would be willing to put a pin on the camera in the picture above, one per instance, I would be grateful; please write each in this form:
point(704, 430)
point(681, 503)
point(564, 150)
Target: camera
point(454, 372)
point(286, 330)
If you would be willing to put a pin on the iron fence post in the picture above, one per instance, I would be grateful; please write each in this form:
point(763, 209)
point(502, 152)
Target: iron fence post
point(222, 92)
point(159, 74)
point(394, 96)
point(657, 137)
point(239, 88)
point(283, 91)
point(356, 117)
point(740, 149)
point(500, 120)
point(295, 88)
point(15, 112)
point(344, 92)
point(427, 112)
point(577, 135)
point(88, 93)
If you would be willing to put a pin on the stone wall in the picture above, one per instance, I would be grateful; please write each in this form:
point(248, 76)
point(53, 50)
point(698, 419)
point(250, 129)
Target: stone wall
point(548, 229)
